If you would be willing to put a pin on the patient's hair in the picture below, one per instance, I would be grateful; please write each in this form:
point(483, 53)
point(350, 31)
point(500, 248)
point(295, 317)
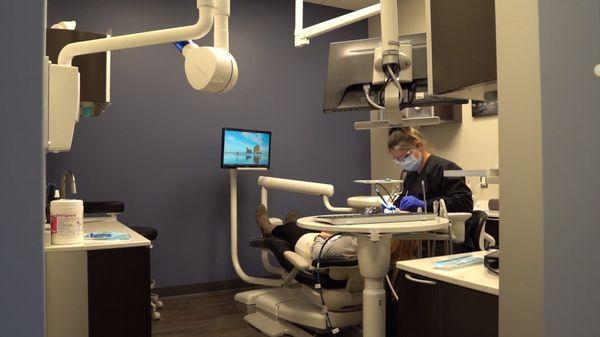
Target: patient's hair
point(401, 250)
point(405, 136)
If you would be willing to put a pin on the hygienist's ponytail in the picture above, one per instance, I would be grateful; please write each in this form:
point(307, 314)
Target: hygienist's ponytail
point(405, 136)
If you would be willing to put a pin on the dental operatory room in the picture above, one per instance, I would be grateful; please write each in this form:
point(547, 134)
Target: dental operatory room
point(301, 168)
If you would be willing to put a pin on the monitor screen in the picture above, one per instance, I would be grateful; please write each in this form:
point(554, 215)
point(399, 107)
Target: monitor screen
point(245, 148)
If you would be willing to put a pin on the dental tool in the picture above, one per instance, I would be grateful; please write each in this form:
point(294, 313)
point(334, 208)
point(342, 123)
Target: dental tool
point(424, 195)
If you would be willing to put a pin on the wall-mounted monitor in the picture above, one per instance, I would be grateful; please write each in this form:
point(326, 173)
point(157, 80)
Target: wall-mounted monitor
point(245, 148)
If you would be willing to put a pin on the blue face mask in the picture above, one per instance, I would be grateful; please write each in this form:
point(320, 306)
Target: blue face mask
point(409, 163)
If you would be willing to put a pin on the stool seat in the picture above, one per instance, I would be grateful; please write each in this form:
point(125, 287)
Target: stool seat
point(147, 232)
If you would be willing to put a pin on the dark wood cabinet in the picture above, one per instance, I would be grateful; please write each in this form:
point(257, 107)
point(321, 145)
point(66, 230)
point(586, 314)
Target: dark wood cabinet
point(419, 302)
point(431, 308)
point(119, 292)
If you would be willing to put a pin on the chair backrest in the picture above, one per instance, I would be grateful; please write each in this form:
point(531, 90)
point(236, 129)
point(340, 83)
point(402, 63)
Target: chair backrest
point(476, 225)
point(458, 228)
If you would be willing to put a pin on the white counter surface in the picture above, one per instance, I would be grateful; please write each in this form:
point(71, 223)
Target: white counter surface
point(474, 277)
point(102, 225)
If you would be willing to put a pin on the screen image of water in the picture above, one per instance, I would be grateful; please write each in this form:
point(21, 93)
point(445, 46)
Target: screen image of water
point(240, 159)
point(245, 148)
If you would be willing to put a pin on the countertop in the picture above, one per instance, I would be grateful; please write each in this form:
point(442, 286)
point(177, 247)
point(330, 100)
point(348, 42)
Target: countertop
point(474, 277)
point(102, 225)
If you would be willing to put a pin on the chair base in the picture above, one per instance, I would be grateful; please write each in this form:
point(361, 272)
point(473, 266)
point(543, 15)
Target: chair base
point(272, 327)
point(283, 311)
point(248, 298)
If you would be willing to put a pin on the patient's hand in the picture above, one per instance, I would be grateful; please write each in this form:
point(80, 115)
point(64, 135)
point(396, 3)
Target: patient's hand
point(325, 235)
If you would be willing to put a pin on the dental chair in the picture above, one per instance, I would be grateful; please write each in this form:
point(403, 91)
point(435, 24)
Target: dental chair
point(298, 303)
point(308, 298)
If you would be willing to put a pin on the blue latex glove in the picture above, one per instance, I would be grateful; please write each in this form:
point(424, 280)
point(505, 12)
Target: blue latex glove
point(388, 209)
point(411, 203)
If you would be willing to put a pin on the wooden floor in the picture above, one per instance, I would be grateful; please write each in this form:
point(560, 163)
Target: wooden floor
point(208, 315)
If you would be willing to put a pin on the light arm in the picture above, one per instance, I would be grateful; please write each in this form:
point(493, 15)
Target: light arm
point(303, 35)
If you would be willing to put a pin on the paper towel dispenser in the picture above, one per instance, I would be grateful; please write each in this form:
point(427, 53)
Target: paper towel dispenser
point(94, 69)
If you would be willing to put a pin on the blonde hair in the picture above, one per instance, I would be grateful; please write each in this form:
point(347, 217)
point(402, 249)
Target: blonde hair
point(407, 135)
point(401, 250)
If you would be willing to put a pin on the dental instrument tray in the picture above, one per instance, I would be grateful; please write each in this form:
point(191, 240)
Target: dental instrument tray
point(359, 219)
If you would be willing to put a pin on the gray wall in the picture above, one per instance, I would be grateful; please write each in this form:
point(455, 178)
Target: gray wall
point(549, 162)
point(570, 120)
point(158, 147)
point(21, 169)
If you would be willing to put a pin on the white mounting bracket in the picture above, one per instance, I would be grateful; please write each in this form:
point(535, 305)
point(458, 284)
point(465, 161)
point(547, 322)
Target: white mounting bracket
point(374, 235)
point(303, 35)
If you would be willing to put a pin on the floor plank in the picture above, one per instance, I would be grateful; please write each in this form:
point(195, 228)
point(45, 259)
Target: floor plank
point(208, 315)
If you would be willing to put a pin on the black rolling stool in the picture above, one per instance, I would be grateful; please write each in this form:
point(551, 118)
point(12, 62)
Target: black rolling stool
point(151, 234)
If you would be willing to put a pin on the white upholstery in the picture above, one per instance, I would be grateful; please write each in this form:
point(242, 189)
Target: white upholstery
point(292, 305)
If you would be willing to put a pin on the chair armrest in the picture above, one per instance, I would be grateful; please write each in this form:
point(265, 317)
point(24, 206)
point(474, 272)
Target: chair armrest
point(336, 262)
point(297, 260)
point(488, 238)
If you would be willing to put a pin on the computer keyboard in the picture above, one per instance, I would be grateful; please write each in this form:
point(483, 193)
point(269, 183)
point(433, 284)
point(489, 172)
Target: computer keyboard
point(357, 218)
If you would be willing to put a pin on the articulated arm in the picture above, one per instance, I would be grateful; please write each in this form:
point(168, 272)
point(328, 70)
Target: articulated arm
point(207, 69)
point(211, 69)
point(206, 10)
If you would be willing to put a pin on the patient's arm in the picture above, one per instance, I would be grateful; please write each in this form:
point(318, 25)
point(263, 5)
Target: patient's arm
point(325, 235)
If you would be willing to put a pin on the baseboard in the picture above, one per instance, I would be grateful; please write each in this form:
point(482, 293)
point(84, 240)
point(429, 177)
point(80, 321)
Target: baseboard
point(198, 288)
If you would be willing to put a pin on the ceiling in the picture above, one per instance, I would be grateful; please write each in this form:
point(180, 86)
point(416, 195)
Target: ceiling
point(347, 4)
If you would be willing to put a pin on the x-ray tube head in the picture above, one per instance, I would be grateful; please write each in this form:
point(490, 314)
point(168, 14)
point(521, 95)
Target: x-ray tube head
point(208, 68)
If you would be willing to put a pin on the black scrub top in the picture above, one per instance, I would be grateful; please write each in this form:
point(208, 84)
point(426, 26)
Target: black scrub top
point(455, 192)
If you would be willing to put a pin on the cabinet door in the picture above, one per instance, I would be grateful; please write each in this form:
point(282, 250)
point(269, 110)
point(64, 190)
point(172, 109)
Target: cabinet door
point(418, 306)
point(119, 292)
point(468, 313)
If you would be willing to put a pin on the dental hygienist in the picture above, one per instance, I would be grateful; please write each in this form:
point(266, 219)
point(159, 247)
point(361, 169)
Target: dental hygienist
point(421, 169)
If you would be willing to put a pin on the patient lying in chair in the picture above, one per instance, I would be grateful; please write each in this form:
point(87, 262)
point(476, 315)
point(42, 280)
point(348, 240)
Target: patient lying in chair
point(306, 243)
point(309, 244)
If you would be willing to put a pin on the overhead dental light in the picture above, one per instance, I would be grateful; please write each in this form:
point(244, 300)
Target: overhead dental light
point(211, 69)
